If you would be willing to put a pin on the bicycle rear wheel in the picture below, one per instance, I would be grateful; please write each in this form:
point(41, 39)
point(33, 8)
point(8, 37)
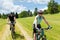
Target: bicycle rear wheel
point(12, 32)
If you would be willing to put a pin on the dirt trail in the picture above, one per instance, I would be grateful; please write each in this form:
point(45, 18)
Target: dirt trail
point(27, 37)
point(6, 33)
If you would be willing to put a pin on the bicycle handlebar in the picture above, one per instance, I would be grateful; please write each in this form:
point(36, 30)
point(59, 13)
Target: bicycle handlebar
point(44, 28)
point(11, 23)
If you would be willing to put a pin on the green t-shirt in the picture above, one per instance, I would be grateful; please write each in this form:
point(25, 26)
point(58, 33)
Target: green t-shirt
point(38, 19)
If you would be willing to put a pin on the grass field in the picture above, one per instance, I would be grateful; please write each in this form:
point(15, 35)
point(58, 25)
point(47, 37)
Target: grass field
point(54, 21)
point(18, 35)
point(2, 24)
point(27, 23)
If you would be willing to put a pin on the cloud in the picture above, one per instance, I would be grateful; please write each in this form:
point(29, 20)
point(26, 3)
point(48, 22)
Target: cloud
point(9, 6)
point(22, 0)
point(36, 1)
point(45, 8)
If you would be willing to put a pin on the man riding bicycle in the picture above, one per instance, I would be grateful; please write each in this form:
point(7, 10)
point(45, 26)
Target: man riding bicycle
point(11, 19)
point(37, 21)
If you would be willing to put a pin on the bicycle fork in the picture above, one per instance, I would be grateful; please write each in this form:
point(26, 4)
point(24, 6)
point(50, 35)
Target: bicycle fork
point(39, 36)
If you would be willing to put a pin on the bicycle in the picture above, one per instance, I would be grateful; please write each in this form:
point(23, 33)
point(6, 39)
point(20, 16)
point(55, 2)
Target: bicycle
point(40, 34)
point(12, 29)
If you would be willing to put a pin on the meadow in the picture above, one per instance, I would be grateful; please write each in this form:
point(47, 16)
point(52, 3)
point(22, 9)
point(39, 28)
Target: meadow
point(18, 34)
point(53, 20)
point(27, 24)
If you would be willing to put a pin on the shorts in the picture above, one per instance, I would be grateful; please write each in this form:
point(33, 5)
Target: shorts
point(34, 29)
point(13, 23)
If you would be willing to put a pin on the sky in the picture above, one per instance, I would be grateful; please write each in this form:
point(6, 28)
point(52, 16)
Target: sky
point(7, 6)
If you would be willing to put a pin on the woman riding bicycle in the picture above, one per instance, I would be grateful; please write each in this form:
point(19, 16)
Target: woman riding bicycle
point(37, 21)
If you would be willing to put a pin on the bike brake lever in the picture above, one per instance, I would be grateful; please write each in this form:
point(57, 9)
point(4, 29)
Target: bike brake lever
point(49, 28)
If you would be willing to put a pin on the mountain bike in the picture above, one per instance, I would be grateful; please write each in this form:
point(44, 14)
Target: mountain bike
point(40, 34)
point(12, 29)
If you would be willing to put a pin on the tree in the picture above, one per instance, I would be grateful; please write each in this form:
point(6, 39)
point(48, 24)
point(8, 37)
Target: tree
point(4, 16)
point(59, 8)
point(45, 12)
point(23, 14)
point(16, 15)
point(53, 7)
point(0, 15)
point(35, 12)
point(30, 13)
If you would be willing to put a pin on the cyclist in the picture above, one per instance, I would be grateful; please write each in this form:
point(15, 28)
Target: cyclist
point(37, 21)
point(11, 19)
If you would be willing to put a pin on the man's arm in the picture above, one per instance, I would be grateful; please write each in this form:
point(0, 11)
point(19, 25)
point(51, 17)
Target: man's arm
point(14, 18)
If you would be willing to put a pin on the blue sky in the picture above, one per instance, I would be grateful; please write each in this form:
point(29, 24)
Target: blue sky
point(7, 6)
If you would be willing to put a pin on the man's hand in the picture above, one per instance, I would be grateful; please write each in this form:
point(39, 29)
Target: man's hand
point(8, 22)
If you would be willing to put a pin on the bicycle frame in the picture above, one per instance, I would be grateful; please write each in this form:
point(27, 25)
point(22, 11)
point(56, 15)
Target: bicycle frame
point(12, 30)
point(41, 34)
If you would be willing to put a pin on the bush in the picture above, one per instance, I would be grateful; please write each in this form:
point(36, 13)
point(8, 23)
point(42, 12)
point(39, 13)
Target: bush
point(23, 14)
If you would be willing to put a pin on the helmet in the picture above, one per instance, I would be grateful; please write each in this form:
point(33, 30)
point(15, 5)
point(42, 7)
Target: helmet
point(40, 12)
point(11, 13)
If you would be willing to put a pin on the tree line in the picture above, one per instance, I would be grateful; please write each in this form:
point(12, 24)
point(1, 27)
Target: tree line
point(53, 8)
point(4, 16)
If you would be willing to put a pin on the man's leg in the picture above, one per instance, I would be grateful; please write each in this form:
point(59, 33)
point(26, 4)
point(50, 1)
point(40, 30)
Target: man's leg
point(13, 27)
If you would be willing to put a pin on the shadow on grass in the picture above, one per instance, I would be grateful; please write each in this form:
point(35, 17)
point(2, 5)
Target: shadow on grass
point(16, 36)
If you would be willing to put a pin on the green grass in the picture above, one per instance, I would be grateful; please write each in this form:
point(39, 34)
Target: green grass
point(27, 24)
point(9, 37)
point(2, 24)
point(54, 21)
point(18, 35)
